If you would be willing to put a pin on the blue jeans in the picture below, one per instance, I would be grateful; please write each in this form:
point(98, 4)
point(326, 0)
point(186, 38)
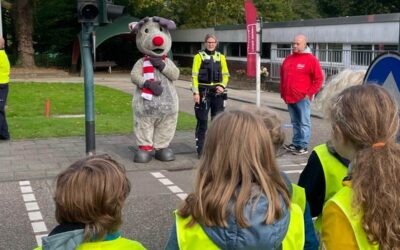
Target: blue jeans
point(3, 122)
point(300, 115)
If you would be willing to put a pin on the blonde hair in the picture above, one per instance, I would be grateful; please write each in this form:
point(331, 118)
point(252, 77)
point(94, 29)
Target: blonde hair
point(208, 36)
point(367, 115)
point(336, 84)
point(274, 126)
point(92, 191)
point(238, 152)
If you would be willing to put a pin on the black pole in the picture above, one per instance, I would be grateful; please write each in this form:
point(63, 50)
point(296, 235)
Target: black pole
point(87, 63)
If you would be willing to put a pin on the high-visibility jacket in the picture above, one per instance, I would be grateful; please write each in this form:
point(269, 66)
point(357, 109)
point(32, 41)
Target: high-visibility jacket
point(209, 71)
point(4, 67)
point(334, 172)
point(117, 244)
point(194, 238)
point(299, 196)
point(343, 200)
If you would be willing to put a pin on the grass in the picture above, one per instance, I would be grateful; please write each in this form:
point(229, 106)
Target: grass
point(113, 111)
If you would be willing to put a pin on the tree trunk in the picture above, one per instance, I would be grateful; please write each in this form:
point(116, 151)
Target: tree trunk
point(24, 32)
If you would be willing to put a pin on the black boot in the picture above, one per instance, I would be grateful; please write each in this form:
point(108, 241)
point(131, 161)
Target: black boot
point(142, 156)
point(165, 154)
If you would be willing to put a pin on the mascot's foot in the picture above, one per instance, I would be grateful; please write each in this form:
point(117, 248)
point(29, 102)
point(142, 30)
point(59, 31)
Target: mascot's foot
point(142, 156)
point(165, 154)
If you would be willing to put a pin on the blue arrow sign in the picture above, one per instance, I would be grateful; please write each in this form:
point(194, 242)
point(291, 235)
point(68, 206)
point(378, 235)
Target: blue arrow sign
point(385, 71)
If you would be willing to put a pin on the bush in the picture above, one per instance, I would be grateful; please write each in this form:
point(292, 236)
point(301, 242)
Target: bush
point(186, 71)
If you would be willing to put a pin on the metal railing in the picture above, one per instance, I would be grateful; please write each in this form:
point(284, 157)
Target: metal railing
point(332, 61)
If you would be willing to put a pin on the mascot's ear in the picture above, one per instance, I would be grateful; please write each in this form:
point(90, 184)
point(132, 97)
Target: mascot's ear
point(133, 27)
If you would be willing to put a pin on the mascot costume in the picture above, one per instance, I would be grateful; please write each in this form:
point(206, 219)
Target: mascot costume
point(155, 102)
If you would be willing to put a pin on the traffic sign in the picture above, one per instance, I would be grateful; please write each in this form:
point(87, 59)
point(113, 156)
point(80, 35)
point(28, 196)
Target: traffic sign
point(385, 71)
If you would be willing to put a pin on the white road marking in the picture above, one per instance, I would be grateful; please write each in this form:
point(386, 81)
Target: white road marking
point(175, 189)
point(166, 181)
point(170, 185)
point(34, 214)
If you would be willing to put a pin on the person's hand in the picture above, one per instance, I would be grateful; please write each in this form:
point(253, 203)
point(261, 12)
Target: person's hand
point(157, 63)
point(196, 98)
point(220, 89)
point(155, 87)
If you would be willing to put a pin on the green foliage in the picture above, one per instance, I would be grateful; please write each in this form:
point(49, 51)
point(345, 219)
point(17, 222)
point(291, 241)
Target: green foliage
point(185, 71)
point(113, 111)
point(337, 8)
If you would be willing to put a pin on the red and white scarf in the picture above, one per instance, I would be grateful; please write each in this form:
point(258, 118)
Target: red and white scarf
point(148, 74)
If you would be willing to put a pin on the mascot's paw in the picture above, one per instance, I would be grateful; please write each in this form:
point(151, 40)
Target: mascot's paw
point(165, 154)
point(154, 86)
point(142, 156)
point(158, 63)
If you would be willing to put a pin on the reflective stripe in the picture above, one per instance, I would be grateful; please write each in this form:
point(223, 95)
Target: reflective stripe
point(194, 238)
point(343, 199)
point(334, 172)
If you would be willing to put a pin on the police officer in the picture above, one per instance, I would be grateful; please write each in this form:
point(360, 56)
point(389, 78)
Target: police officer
point(210, 78)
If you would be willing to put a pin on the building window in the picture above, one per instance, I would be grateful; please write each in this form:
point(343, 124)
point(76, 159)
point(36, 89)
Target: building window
point(330, 52)
point(361, 54)
point(266, 50)
point(283, 50)
point(181, 48)
point(236, 49)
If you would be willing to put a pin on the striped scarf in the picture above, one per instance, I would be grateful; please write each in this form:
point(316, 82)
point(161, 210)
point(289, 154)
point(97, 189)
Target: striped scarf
point(148, 74)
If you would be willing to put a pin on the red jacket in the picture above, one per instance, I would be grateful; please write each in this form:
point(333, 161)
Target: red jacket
point(301, 75)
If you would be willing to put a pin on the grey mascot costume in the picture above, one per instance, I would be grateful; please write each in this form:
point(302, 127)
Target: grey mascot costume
point(155, 102)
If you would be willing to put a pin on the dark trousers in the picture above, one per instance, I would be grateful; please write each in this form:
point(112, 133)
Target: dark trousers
point(3, 122)
point(208, 101)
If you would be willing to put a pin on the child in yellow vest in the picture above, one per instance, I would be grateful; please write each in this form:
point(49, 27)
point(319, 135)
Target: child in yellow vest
point(89, 197)
point(365, 213)
point(240, 200)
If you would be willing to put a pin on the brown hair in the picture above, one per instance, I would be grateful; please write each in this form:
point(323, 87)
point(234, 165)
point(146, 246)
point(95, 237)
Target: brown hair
point(274, 126)
point(238, 152)
point(366, 115)
point(92, 191)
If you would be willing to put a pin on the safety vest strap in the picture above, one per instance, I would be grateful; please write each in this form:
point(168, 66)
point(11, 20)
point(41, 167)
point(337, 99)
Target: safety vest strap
point(119, 243)
point(334, 174)
point(194, 237)
point(343, 199)
point(295, 236)
point(205, 56)
point(299, 196)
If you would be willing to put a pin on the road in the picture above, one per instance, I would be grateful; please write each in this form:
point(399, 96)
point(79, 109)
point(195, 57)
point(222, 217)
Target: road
point(27, 209)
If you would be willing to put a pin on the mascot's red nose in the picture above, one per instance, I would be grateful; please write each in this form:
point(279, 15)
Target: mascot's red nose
point(158, 40)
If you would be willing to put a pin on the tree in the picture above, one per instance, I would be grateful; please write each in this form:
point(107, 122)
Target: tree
point(24, 32)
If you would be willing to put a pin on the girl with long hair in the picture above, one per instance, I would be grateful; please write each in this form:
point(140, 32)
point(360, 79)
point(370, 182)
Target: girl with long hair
point(240, 200)
point(365, 213)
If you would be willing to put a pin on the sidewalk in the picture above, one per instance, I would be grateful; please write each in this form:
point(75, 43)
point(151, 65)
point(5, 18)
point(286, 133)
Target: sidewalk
point(45, 158)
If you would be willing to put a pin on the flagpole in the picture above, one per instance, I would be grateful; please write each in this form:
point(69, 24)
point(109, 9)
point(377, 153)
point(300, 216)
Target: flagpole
point(258, 63)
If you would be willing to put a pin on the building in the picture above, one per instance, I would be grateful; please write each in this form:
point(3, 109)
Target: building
point(342, 42)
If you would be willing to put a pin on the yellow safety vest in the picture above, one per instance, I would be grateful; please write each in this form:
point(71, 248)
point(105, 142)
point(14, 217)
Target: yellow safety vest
point(197, 62)
point(4, 68)
point(117, 244)
point(299, 196)
point(343, 200)
point(194, 238)
point(334, 172)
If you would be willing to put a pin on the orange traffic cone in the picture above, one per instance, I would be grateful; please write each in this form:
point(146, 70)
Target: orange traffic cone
point(47, 108)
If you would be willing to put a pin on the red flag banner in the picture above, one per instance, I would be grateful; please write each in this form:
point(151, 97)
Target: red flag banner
point(251, 19)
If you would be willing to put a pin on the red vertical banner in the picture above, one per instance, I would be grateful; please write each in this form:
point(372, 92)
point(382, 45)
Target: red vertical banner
point(251, 19)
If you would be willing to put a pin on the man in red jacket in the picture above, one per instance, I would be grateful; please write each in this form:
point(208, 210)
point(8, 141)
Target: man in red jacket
point(301, 79)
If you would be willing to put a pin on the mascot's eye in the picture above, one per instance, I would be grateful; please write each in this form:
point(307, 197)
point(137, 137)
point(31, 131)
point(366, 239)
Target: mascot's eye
point(146, 30)
point(161, 29)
